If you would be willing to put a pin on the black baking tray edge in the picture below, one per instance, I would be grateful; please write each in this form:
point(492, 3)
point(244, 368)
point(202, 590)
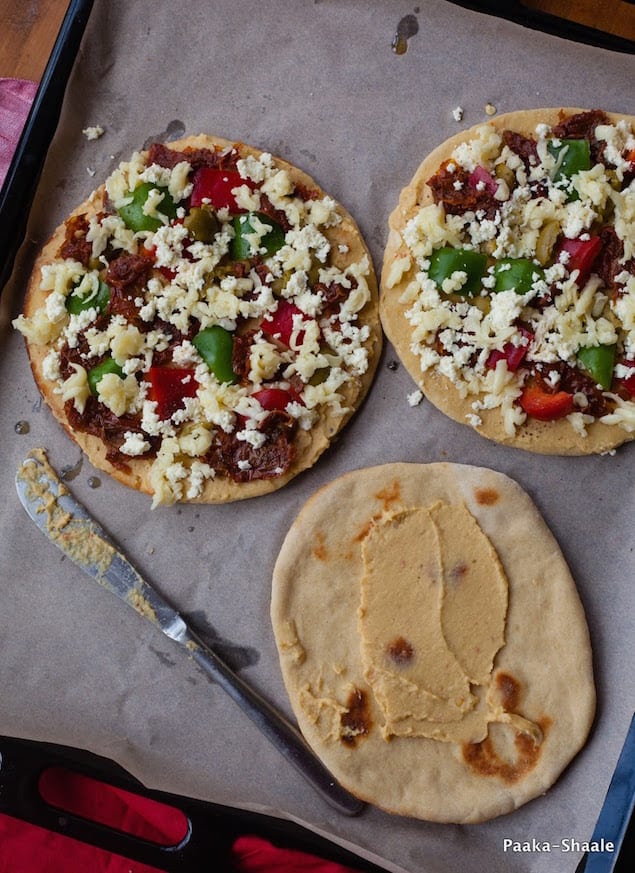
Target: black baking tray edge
point(23, 175)
point(213, 828)
point(516, 11)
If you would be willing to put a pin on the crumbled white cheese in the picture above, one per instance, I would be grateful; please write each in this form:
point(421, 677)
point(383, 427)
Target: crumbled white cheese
point(479, 151)
point(116, 393)
point(474, 420)
point(93, 131)
point(200, 473)
point(134, 444)
point(51, 366)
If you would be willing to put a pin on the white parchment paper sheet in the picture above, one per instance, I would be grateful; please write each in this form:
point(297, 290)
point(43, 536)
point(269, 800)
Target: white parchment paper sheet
point(318, 84)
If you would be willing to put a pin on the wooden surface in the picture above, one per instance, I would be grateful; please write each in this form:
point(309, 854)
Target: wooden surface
point(611, 16)
point(28, 28)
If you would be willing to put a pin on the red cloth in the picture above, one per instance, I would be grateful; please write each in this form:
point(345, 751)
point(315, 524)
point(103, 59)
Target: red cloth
point(25, 848)
point(16, 96)
point(147, 819)
point(255, 855)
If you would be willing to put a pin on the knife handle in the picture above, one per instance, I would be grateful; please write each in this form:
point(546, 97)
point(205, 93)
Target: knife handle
point(278, 730)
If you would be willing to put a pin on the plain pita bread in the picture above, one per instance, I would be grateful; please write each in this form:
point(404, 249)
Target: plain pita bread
point(544, 667)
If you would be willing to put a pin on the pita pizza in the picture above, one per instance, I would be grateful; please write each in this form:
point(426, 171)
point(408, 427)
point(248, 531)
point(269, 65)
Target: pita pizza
point(508, 285)
point(432, 640)
point(205, 322)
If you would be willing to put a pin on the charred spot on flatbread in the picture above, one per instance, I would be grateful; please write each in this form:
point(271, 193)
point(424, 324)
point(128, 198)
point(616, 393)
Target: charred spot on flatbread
point(434, 688)
point(486, 759)
point(508, 282)
point(205, 322)
point(355, 721)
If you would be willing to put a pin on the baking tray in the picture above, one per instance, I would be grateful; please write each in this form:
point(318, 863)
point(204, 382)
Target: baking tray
point(211, 828)
point(426, 844)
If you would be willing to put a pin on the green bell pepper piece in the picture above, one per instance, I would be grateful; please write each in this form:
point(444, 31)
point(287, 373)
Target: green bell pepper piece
point(446, 261)
point(108, 365)
point(133, 215)
point(76, 303)
point(516, 274)
point(598, 361)
point(572, 156)
point(243, 227)
point(215, 345)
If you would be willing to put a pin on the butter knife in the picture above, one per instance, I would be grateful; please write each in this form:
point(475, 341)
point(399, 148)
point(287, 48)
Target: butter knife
point(67, 523)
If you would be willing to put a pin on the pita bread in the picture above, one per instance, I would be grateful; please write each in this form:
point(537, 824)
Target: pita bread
point(325, 236)
point(458, 378)
point(373, 649)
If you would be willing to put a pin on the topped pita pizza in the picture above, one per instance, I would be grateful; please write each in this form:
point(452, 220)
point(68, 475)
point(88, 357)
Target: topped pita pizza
point(508, 286)
point(205, 323)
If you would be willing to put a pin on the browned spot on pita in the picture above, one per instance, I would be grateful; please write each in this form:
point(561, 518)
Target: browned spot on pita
point(457, 573)
point(319, 550)
point(389, 495)
point(355, 722)
point(486, 496)
point(363, 531)
point(509, 690)
point(400, 651)
point(484, 759)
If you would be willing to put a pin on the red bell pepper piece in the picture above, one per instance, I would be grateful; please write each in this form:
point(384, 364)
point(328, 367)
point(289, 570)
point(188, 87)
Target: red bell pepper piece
point(544, 406)
point(480, 174)
point(628, 382)
point(279, 325)
point(582, 255)
point(276, 398)
point(151, 254)
point(514, 355)
point(214, 186)
point(169, 387)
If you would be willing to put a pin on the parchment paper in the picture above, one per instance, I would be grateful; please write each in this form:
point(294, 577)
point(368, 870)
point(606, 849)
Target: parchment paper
point(318, 84)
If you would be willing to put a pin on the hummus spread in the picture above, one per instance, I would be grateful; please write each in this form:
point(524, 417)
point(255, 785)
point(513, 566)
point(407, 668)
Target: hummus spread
point(434, 600)
point(78, 538)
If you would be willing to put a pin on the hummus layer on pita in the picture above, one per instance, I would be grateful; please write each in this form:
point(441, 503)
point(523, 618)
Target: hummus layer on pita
point(205, 323)
point(432, 640)
point(508, 285)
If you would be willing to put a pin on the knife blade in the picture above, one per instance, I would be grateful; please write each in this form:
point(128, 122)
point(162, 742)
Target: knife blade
point(69, 526)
